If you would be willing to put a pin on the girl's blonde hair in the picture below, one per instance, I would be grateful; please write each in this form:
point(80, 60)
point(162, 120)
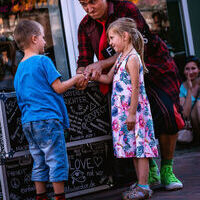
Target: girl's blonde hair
point(128, 25)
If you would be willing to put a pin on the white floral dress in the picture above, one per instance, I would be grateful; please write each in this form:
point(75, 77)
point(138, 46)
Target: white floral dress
point(139, 142)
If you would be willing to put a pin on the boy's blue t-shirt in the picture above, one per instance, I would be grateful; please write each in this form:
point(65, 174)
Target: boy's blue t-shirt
point(36, 98)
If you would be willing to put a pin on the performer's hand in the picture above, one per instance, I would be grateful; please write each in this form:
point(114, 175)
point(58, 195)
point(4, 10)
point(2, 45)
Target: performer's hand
point(93, 71)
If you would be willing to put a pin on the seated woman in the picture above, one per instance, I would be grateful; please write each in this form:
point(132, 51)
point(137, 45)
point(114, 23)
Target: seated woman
point(189, 91)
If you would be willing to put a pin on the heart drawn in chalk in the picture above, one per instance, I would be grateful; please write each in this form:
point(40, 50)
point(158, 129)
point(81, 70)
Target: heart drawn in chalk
point(98, 160)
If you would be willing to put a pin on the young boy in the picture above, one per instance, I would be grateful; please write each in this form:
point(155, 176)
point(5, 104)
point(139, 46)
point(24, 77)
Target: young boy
point(44, 115)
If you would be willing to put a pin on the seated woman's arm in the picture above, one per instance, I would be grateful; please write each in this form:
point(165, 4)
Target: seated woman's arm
point(186, 100)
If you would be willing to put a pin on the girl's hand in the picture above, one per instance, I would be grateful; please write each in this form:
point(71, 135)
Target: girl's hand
point(130, 122)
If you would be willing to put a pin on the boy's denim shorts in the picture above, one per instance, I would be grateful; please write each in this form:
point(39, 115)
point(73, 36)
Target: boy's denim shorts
point(47, 147)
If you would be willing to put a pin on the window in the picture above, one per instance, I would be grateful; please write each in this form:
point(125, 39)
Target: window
point(46, 12)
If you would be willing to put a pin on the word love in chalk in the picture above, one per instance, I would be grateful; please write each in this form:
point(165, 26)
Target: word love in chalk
point(88, 163)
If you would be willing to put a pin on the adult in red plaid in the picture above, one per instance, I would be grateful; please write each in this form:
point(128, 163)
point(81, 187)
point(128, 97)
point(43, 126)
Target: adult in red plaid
point(162, 81)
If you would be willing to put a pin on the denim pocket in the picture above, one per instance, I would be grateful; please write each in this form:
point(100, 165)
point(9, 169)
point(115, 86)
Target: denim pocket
point(42, 135)
point(46, 131)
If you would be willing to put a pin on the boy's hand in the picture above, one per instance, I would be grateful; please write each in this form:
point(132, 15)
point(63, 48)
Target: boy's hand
point(130, 122)
point(80, 77)
point(81, 81)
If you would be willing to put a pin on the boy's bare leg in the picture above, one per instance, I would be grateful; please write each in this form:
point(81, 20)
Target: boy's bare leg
point(40, 187)
point(58, 187)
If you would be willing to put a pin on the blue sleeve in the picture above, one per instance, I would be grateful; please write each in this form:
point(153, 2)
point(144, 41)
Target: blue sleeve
point(50, 70)
point(183, 91)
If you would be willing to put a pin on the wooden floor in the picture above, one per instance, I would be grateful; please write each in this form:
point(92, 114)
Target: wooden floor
point(186, 167)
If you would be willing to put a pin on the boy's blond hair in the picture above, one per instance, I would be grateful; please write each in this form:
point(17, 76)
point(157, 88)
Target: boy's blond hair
point(23, 32)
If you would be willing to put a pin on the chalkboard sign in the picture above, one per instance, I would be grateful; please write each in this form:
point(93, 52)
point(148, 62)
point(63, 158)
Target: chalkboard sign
point(88, 113)
point(12, 115)
point(87, 170)
point(18, 173)
point(87, 166)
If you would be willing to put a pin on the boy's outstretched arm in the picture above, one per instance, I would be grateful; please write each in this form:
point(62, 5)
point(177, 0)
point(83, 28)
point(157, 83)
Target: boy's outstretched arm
point(107, 78)
point(61, 87)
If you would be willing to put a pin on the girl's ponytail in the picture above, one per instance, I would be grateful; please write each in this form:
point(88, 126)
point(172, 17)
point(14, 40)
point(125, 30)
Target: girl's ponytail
point(138, 43)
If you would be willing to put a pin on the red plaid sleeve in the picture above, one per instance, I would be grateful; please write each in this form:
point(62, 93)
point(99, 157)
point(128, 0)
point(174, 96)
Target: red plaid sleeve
point(86, 52)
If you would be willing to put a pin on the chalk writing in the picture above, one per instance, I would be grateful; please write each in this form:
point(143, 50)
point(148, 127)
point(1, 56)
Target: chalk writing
point(88, 113)
point(78, 176)
point(98, 160)
point(81, 110)
point(86, 170)
point(15, 183)
point(103, 122)
point(12, 113)
point(96, 113)
point(75, 100)
point(74, 93)
point(87, 162)
point(93, 99)
point(92, 106)
point(99, 128)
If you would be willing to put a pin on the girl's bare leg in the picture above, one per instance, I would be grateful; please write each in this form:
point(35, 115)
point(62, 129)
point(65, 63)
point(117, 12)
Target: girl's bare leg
point(143, 171)
point(135, 162)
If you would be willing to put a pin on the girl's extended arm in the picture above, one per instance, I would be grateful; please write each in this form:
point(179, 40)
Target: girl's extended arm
point(60, 87)
point(133, 65)
point(107, 78)
point(94, 70)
